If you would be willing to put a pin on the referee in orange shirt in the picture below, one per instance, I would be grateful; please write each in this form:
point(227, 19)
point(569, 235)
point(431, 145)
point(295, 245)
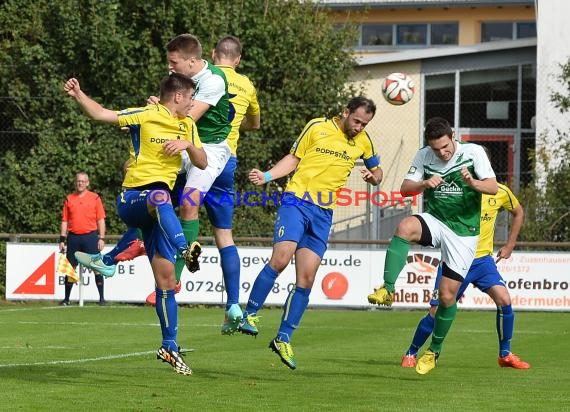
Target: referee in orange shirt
point(83, 227)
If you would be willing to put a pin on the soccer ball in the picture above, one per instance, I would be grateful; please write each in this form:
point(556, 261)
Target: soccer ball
point(398, 88)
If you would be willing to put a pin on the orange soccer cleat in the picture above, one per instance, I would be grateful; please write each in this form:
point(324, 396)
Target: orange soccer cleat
point(513, 361)
point(135, 249)
point(409, 361)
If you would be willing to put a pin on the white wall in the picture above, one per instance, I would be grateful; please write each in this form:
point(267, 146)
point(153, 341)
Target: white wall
point(553, 49)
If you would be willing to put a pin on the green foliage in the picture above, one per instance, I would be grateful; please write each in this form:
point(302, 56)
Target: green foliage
point(297, 60)
point(562, 100)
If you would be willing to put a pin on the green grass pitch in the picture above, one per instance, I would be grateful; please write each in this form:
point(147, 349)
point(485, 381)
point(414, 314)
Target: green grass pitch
point(102, 359)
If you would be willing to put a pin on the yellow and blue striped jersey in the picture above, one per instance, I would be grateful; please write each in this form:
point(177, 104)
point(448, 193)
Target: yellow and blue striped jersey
point(327, 159)
point(150, 127)
point(243, 101)
point(490, 206)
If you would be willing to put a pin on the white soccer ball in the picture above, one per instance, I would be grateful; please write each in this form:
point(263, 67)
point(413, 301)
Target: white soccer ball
point(398, 88)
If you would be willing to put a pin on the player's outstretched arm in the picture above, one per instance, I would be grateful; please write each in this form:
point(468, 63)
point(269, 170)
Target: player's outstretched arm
point(373, 177)
point(89, 106)
point(412, 188)
point(197, 155)
point(518, 219)
point(488, 186)
point(250, 123)
point(283, 167)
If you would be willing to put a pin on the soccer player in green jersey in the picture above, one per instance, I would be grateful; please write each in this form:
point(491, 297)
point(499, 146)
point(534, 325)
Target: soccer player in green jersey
point(323, 156)
point(483, 274)
point(210, 111)
point(452, 177)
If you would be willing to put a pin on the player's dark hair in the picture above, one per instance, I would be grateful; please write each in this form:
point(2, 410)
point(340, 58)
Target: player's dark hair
point(361, 101)
point(186, 44)
point(175, 82)
point(437, 127)
point(229, 47)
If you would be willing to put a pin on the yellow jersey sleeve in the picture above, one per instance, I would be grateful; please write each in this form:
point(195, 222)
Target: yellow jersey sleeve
point(490, 207)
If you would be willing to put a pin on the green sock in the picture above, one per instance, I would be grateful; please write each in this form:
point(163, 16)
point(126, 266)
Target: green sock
point(190, 229)
point(396, 257)
point(443, 319)
point(139, 234)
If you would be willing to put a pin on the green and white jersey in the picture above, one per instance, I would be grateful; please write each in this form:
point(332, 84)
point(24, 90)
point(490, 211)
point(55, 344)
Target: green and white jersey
point(212, 88)
point(454, 202)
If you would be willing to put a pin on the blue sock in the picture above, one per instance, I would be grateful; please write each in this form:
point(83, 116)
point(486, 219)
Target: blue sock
point(170, 224)
point(167, 311)
point(505, 327)
point(231, 270)
point(123, 243)
point(293, 310)
point(260, 289)
point(423, 330)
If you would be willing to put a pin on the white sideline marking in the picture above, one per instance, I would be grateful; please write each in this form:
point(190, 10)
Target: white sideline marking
point(68, 361)
point(26, 322)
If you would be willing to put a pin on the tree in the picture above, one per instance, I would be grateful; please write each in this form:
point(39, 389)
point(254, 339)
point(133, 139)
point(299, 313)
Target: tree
point(297, 59)
point(546, 199)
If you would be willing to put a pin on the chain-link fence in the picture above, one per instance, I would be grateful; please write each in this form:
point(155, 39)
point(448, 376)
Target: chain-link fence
point(494, 107)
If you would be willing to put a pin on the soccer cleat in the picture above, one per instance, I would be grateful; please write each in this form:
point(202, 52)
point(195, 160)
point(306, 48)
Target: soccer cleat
point(95, 263)
point(64, 303)
point(381, 296)
point(248, 325)
point(409, 361)
point(191, 256)
point(232, 320)
point(151, 298)
point(175, 360)
point(285, 352)
point(513, 361)
point(135, 249)
point(427, 362)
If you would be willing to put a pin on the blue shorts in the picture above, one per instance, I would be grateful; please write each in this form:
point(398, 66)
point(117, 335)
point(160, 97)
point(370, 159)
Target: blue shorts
point(483, 274)
point(178, 189)
point(220, 200)
point(133, 211)
point(303, 222)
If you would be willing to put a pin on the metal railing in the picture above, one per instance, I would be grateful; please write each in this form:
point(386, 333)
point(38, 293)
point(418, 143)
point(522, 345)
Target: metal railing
point(17, 237)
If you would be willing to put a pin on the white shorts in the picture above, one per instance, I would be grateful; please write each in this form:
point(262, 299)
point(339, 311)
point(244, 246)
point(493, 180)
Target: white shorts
point(218, 155)
point(457, 251)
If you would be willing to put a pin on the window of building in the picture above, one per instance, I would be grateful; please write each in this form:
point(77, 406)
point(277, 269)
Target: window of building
point(496, 31)
point(528, 96)
point(507, 31)
point(412, 34)
point(446, 33)
point(440, 96)
point(377, 35)
point(526, 30)
point(488, 98)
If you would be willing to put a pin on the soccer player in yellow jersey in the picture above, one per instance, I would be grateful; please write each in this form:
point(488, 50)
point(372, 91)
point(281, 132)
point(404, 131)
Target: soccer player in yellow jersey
point(219, 201)
point(322, 157)
point(158, 135)
point(484, 275)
